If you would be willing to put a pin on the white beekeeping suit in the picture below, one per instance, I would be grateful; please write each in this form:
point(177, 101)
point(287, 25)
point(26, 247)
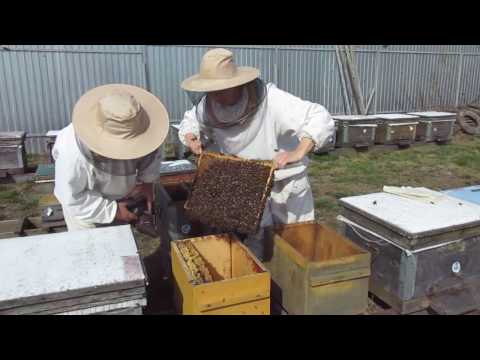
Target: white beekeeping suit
point(279, 124)
point(110, 149)
point(88, 195)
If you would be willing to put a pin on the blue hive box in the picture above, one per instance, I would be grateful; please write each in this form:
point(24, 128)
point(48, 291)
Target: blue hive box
point(469, 193)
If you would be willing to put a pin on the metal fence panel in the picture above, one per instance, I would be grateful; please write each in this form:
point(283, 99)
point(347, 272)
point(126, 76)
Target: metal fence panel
point(409, 82)
point(39, 89)
point(39, 84)
point(311, 75)
point(470, 79)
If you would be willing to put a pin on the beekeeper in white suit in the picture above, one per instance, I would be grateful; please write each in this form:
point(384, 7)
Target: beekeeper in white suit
point(235, 113)
point(108, 152)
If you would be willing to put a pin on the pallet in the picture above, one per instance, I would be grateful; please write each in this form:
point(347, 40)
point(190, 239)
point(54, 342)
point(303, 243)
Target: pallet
point(186, 178)
point(29, 226)
point(384, 309)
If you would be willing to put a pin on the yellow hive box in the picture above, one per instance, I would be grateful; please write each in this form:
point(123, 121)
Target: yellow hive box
point(315, 270)
point(240, 286)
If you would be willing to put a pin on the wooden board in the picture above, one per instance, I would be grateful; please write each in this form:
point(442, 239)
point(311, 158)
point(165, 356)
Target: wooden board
point(186, 178)
point(78, 303)
point(64, 265)
point(10, 228)
point(130, 307)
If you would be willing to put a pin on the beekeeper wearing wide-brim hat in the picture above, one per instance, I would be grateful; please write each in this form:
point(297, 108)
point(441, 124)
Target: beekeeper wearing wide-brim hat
point(235, 112)
point(109, 151)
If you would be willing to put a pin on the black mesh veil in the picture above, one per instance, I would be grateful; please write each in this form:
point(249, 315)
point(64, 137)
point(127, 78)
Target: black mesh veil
point(216, 115)
point(114, 166)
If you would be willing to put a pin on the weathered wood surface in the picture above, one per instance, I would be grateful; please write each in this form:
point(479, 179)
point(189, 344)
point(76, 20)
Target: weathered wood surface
point(51, 307)
point(127, 311)
point(186, 178)
point(425, 279)
point(59, 266)
point(130, 307)
point(13, 159)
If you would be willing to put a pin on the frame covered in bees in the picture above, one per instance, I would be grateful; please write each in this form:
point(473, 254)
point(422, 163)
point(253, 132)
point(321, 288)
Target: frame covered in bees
point(229, 193)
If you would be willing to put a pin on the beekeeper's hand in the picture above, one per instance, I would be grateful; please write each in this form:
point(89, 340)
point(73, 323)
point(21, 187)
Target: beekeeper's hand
point(146, 189)
point(123, 214)
point(194, 143)
point(284, 158)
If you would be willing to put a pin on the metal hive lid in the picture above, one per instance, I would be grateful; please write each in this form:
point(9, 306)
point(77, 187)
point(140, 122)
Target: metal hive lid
point(414, 219)
point(9, 135)
point(54, 265)
point(354, 117)
point(396, 116)
point(432, 114)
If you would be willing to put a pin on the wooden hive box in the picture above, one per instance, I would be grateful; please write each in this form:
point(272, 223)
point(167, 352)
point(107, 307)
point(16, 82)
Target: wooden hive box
point(80, 272)
point(357, 131)
point(240, 283)
point(13, 158)
point(12, 138)
point(318, 271)
point(435, 126)
point(423, 254)
point(396, 129)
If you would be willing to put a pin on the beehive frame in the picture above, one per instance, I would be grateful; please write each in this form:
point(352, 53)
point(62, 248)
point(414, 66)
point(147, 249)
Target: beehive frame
point(207, 158)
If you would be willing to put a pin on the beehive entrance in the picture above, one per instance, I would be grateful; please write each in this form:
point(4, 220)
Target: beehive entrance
point(229, 193)
point(317, 243)
point(224, 257)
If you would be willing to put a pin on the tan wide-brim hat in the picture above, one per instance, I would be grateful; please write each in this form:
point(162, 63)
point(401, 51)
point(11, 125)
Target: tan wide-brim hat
point(218, 71)
point(120, 121)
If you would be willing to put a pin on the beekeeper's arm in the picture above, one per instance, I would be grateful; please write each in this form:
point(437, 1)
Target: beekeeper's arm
point(310, 122)
point(189, 132)
point(89, 206)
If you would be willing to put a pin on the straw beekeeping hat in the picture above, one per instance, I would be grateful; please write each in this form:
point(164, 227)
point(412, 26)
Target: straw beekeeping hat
point(120, 121)
point(218, 71)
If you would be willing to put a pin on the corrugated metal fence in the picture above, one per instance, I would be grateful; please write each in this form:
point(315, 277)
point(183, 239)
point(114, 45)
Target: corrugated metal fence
point(40, 84)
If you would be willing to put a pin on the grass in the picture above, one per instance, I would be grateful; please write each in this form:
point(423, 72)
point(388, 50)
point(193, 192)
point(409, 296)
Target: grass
point(18, 200)
point(347, 172)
